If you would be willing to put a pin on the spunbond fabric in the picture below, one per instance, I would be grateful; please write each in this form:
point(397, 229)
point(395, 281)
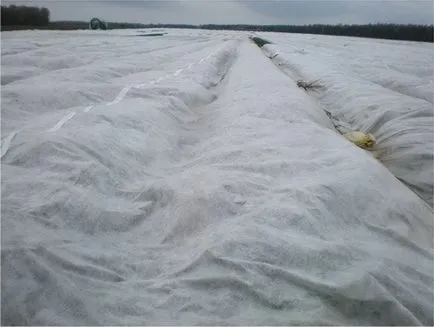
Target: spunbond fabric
point(214, 194)
point(375, 86)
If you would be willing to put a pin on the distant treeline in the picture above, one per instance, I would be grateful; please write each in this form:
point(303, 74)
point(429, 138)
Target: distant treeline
point(423, 33)
point(24, 16)
point(70, 25)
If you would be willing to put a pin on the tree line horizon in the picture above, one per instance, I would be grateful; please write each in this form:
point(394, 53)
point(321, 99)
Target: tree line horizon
point(25, 17)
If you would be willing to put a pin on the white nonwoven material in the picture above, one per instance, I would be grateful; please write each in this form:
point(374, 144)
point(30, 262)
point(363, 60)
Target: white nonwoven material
point(219, 195)
point(375, 86)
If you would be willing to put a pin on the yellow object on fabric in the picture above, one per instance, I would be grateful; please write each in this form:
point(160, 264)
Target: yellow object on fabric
point(363, 140)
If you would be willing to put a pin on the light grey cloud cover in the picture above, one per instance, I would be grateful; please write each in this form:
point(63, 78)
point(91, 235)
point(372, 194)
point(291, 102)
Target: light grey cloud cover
point(241, 11)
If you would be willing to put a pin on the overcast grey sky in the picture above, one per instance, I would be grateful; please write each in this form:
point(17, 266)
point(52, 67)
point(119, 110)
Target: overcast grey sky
point(240, 11)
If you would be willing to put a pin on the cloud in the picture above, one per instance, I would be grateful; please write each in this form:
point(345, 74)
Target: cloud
point(150, 11)
point(240, 11)
point(345, 11)
point(221, 12)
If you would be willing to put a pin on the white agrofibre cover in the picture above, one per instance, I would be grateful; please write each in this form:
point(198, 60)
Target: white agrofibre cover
point(381, 87)
point(186, 180)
